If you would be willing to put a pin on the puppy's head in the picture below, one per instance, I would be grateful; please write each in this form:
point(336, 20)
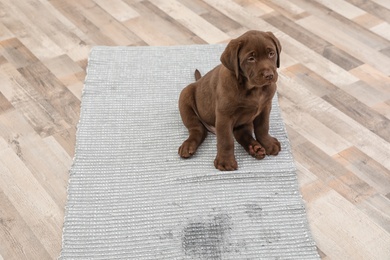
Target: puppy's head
point(255, 56)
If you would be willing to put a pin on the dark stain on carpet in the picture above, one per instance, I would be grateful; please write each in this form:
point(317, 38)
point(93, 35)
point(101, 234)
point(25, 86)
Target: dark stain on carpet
point(207, 240)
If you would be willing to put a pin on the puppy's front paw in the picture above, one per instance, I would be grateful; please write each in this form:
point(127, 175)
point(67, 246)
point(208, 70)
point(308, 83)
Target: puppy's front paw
point(271, 145)
point(225, 164)
point(256, 150)
point(187, 149)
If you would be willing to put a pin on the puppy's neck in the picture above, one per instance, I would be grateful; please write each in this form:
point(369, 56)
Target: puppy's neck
point(244, 84)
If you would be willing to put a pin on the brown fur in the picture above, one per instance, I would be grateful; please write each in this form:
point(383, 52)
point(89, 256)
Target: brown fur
point(234, 99)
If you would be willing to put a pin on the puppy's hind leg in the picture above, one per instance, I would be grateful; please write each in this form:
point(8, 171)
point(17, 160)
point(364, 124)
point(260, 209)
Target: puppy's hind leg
point(197, 131)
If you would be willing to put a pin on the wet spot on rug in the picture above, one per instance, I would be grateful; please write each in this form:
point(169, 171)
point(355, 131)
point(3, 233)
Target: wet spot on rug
point(271, 236)
point(254, 211)
point(207, 239)
point(167, 235)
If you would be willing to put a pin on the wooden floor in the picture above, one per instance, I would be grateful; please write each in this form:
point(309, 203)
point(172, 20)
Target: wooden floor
point(334, 91)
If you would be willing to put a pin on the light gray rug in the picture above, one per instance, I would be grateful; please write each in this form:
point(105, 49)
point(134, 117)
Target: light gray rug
point(132, 197)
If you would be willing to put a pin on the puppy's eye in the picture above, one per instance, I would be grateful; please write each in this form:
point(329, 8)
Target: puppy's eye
point(251, 59)
point(271, 54)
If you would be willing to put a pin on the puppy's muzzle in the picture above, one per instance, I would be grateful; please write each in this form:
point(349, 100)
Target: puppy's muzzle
point(267, 74)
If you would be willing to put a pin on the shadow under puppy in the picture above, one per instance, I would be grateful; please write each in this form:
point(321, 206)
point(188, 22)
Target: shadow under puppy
point(234, 99)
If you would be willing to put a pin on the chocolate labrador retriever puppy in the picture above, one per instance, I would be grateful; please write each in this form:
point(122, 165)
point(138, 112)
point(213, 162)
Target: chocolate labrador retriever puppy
point(234, 99)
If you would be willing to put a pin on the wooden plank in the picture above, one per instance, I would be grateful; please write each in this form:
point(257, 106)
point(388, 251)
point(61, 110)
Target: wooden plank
point(296, 31)
point(305, 176)
point(63, 35)
point(287, 61)
point(220, 20)
point(27, 31)
point(167, 25)
point(329, 172)
point(63, 66)
point(335, 175)
point(67, 140)
point(363, 138)
point(366, 93)
point(74, 13)
point(367, 20)
point(312, 192)
point(326, 68)
point(340, 23)
point(375, 78)
point(308, 78)
point(29, 102)
point(26, 194)
point(239, 14)
point(15, 234)
point(358, 111)
point(197, 6)
point(62, 23)
point(110, 28)
point(4, 104)
point(382, 29)
point(76, 89)
point(65, 70)
point(345, 230)
point(378, 208)
point(255, 7)
point(16, 53)
point(374, 8)
point(383, 3)
point(5, 34)
point(386, 51)
point(287, 8)
point(35, 153)
point(347, 43)
point(59, 98)
point(149, 32)
point(383, 108)
point(61, 157)
point(118, 9)
point(80, 53)
point(312, 129)
point(365, 168)
point(189, 19)
point(313, 42)
point(343, 8)
point(341, 57)
point(315, 62)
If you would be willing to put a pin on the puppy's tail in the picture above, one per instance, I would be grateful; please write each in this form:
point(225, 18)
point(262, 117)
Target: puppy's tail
point(197, 74)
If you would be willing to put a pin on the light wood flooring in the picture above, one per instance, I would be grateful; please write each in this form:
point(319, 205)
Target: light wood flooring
point(334, 92)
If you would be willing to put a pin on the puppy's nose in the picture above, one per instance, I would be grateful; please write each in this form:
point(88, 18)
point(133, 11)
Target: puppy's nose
point(268, 75)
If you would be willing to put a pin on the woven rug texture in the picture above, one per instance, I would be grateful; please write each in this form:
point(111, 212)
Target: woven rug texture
point(131, 196)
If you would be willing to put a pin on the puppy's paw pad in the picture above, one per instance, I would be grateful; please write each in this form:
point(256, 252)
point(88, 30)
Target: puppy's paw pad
point(257, 151)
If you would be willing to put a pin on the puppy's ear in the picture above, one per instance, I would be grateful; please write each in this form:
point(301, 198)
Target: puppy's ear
point(229, 57)
point(277, 45)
